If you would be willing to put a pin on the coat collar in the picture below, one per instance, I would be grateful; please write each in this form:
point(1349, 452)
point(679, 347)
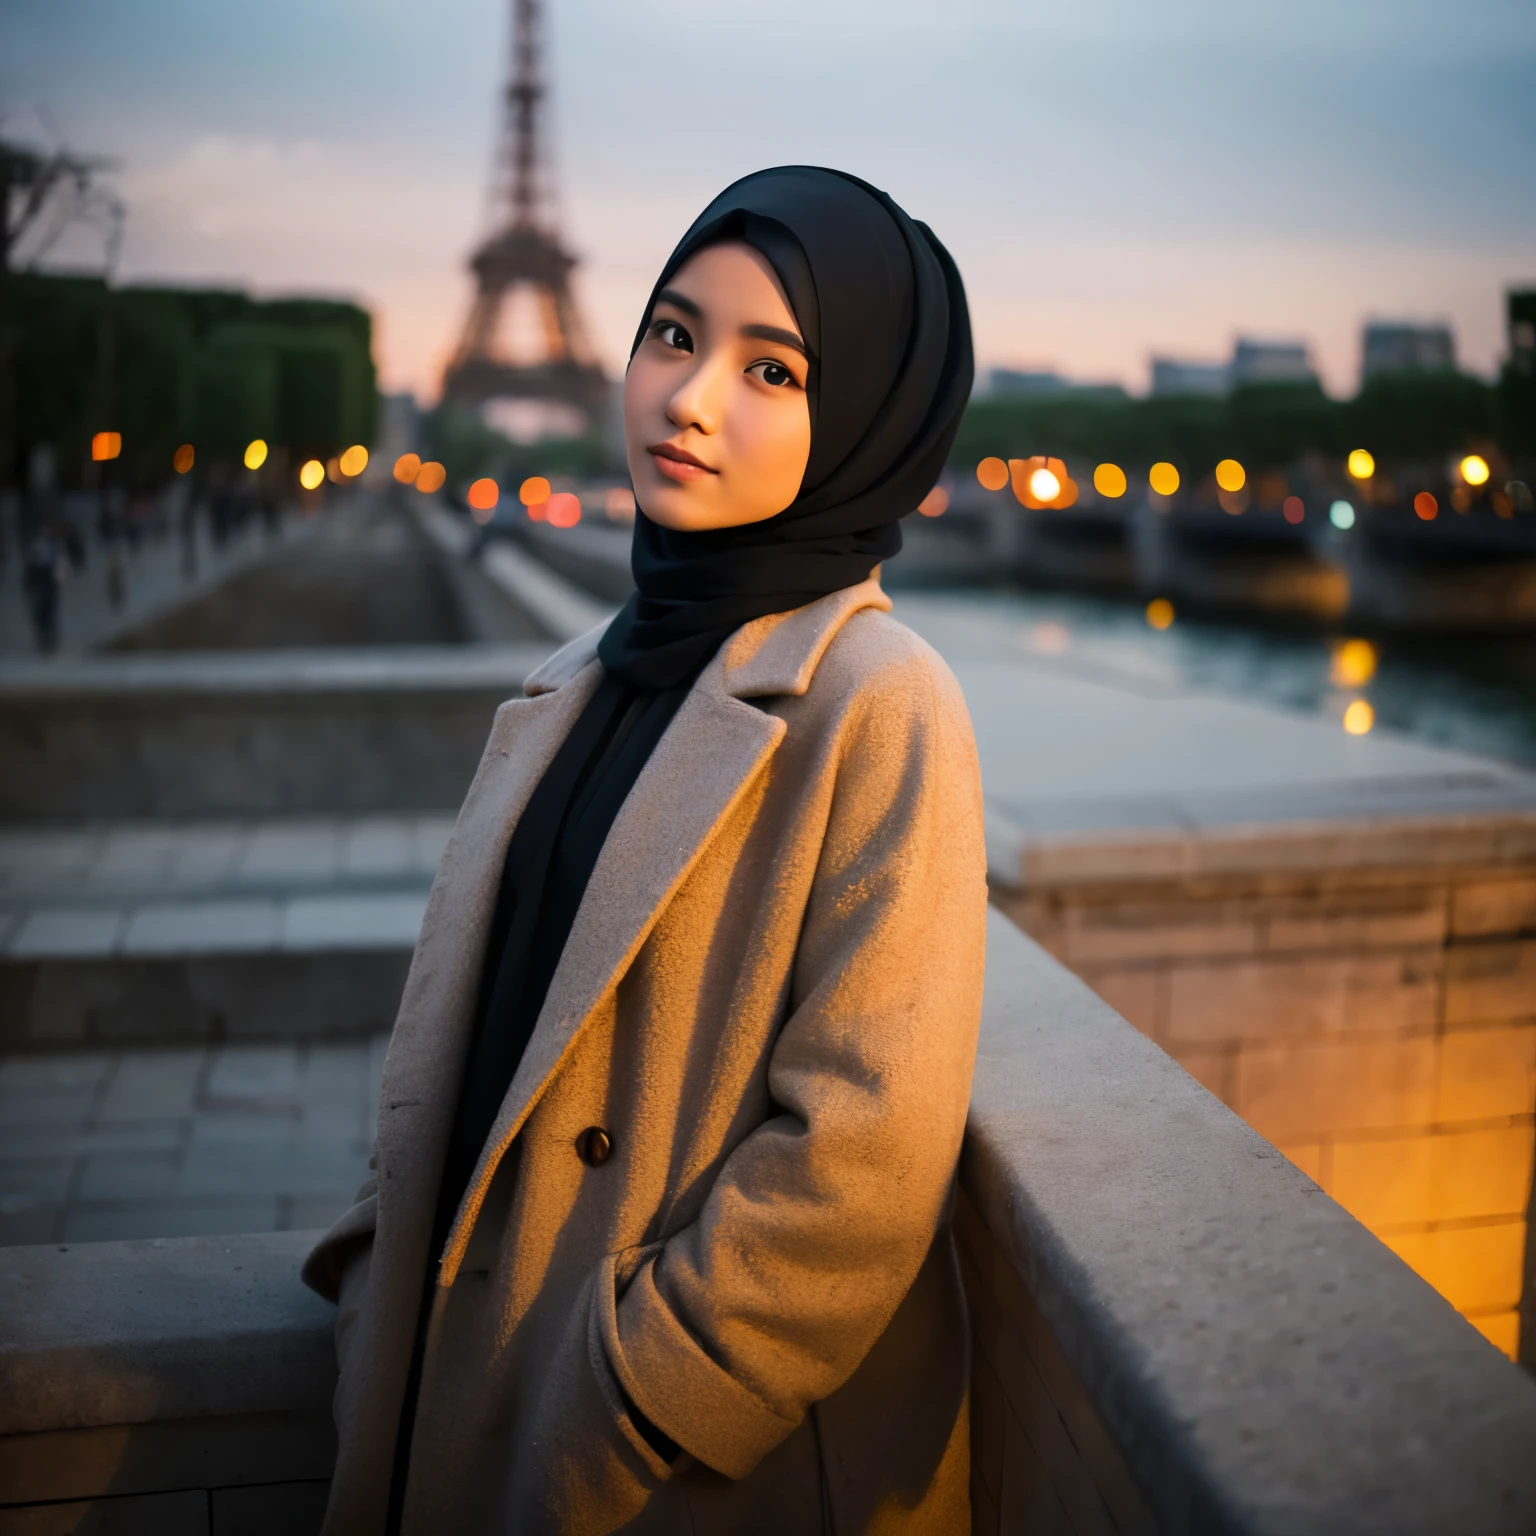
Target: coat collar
point(713, 750)
point(774, 655)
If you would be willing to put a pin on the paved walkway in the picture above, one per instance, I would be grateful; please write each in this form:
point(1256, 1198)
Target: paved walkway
point(96, 1147)
point(155, 580)
point(217, 887)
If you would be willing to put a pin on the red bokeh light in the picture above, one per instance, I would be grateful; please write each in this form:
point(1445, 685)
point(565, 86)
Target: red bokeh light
point(1426, 506)
point(563, 509)
point(1293, 510)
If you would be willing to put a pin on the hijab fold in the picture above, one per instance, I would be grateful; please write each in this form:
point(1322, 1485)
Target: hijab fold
point(882, 311)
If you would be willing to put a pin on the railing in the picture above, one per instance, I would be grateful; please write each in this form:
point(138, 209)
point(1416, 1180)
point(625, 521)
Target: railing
point(1175, 1330)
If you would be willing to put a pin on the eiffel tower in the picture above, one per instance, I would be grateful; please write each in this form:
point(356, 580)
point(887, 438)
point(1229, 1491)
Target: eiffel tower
point(525, 254)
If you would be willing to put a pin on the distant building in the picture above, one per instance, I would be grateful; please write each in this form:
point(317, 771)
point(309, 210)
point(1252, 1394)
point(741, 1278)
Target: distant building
point(1522, 330)
point(1402, 347)
point(1271, 362)
point(1027, 384)
point(1173, 376)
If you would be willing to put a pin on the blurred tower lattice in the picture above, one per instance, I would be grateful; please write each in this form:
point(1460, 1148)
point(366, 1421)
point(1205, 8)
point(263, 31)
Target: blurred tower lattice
point(525, 255)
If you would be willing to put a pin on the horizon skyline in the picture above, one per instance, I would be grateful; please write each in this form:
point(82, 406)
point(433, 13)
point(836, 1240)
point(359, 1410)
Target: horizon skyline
point(1114, 186)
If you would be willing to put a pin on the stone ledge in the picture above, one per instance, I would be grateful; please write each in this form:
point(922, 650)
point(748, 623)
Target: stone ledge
point(1262, 1362)
point(131, 1333)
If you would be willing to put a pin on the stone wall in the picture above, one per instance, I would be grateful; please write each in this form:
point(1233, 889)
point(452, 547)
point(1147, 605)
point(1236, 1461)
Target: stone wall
point(1369, 1007)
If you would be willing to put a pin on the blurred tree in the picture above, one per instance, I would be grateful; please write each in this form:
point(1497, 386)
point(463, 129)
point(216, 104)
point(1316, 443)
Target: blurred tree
point(164, 366)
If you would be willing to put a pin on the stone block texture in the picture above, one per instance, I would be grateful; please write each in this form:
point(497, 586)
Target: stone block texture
point(1378, 1024)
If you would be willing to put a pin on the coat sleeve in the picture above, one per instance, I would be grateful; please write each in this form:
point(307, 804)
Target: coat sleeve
point(819, 1221)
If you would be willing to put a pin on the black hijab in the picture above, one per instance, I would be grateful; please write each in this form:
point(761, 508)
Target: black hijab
point(883, 314)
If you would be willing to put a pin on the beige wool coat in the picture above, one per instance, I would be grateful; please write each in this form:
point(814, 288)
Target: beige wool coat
point(769, 1002)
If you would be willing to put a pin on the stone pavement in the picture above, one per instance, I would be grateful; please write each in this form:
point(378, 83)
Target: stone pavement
point(226, 887)
point(184, 1143)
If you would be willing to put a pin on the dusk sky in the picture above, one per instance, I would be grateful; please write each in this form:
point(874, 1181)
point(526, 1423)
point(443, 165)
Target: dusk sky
point(1115, 177)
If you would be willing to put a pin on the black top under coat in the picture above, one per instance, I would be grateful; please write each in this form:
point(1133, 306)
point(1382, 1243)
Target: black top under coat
point(882, 311)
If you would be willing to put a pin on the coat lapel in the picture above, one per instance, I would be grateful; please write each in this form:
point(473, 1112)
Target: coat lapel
point(709, 755)
point(431, 1036)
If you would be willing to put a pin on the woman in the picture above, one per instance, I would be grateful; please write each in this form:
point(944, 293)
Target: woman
point(658, 1237)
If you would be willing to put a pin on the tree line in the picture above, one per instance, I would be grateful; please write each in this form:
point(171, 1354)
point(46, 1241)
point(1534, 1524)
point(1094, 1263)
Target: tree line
point(166, 366)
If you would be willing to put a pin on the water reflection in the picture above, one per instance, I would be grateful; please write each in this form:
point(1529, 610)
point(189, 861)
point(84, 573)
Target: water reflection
point(1476, 693)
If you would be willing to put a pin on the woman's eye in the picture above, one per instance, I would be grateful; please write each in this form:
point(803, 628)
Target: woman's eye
point(670, 334)
point(773, 373)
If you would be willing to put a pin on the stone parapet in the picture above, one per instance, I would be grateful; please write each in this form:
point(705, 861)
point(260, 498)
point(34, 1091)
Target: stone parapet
point(1370, 1008)
point(1175, 1330)
point(259, 733)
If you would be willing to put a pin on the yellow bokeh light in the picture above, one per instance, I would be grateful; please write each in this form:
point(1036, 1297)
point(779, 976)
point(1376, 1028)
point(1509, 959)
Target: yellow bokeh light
point(1109, 480)
point(255, 453)
point(1474, 469)
point(184, 458)
point(1359, 718)
point(1044, 486)
point(1159, 613)
point(311, 474)
point(406, 467)
point(992, 473)
point(1354, 663)
point(430, 477)
point(354, 461)
point(1230, 475)
point(1361, 465)
point(1163, 478)
point(534, 491)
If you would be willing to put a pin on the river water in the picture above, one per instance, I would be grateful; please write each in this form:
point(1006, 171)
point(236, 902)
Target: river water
point(1475, 693)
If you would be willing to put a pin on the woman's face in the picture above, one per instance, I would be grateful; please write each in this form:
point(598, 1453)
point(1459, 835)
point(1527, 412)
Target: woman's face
point(717, 427)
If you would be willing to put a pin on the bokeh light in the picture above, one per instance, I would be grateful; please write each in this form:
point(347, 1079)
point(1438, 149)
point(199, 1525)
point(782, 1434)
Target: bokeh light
point(533, 491)
point(106, 445)
point(1163, 478)
point(311, 474)
point(1359, 717)
point(1231, 476)
point(406, 467)
point(482, 498)
point(431, 477)
point(992, 473)
point(255, 453)
point(1341, 515)
point(1354, 663)
point(1293, 510)
point(1159, 613)
point(1049, 638)
point(354, 461)
point(184, 458)
point(1044, 485)
point(1474, 469)
point(935, 503)
point(1461, 499)
point(1426, 506)
point(619, 505)
point(333, 472)
point(1360, 464)
point(563, 509)
point(1109, 480)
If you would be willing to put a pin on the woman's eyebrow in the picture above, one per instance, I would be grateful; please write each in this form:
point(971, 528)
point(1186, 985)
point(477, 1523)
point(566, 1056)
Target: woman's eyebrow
point(680, 301)
point(774, 333)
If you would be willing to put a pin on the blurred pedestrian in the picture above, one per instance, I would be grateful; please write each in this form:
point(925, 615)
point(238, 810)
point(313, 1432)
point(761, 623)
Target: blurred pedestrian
point(41, 576)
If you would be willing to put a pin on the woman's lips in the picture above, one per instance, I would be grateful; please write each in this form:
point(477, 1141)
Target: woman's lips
point(678, 464)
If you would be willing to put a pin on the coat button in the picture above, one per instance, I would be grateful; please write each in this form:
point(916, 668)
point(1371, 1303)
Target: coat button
point(594, 1146)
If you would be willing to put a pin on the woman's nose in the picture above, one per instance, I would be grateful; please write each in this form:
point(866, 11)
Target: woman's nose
point(699, 402)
